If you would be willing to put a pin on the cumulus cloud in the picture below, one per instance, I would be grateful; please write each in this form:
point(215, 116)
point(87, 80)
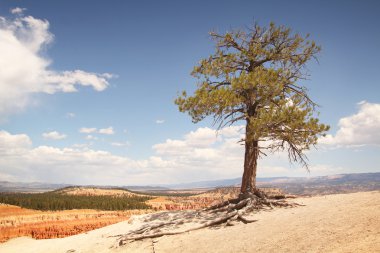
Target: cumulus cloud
point(13, 143)
point(54, 135)
point(81, 164)
point(18, 10)
point(24, 71)
point(205, 152)
point(202, 137)
point(160, 121)
point(202, 154)
point(77, 164)
point(92, 130)
point(199, 141)
point(362, 128)
point(108, 131)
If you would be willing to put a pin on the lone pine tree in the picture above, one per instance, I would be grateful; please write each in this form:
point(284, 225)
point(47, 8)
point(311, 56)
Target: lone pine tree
point(254, 76)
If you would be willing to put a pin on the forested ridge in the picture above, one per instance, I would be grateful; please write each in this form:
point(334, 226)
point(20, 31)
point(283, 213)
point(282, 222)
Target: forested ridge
point(55, 201)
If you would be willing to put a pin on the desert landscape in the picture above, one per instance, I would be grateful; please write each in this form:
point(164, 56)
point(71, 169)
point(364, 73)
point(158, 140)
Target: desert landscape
point(189, 126)
point(330, 223)
point(16, 221)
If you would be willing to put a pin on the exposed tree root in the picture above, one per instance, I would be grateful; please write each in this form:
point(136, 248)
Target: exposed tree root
point(172, 223)
point(207, 224)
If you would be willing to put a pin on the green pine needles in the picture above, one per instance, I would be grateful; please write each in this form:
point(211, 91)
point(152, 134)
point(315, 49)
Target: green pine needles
point(254, 76)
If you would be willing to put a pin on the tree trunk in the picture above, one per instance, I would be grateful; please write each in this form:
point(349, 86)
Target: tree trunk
point(248, 184)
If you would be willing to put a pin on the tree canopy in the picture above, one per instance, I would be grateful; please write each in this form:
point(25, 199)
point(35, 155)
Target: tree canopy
point(254, 76)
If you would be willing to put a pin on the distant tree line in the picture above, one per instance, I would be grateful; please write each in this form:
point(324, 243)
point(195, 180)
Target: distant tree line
point(163, 193)
point(55, 201)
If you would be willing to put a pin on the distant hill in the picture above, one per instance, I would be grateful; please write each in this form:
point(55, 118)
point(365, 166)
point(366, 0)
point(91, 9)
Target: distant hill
point(342, 183)
point(145, 188)
point(35, 187)
point(220, 183)
point(6, 186)
point(206, 184)
point(294, 185)
point(96, 191)
point(369, 180)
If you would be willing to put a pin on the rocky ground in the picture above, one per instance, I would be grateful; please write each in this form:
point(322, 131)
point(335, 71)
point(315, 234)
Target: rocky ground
point(331, 223)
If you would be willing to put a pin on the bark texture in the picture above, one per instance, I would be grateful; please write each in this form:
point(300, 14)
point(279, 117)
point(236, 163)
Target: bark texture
point(248, 184)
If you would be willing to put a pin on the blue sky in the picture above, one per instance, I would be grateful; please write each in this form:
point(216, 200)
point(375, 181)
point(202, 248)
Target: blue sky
point(127, 61)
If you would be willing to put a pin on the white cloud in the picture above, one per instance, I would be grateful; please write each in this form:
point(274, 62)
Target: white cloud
point(171, 147)
point(87, 130)
point(18, 10)
point(54, 135)
point(108, 131)
point(24, 71)
point(160, 121)
point(91, 130)
point(202, 137)
point(77, 164)
point(205, 153)
point(181, 160)
point(80, 164)
point(362, 128)
point(158, 162)
point(13, 143)
point(233, 131)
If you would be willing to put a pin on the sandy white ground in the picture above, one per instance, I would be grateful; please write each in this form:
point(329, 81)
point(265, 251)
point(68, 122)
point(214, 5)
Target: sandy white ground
point(333, 223)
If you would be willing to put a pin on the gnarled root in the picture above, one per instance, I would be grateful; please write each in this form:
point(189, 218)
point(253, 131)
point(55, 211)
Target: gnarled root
point(220, 220)
point(172, 223)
